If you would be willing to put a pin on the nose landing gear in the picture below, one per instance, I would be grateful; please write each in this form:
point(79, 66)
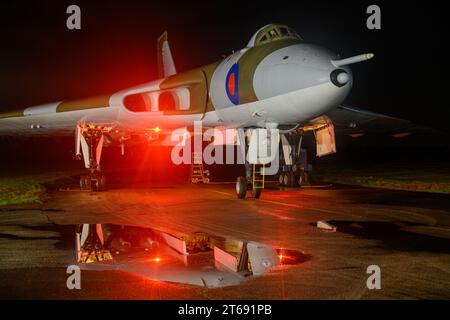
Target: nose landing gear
point(253, 181)
point(255, 171)
point(241, 187)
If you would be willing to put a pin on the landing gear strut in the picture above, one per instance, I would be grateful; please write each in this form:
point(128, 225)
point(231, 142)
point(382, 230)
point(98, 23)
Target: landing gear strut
point(91, 139)
point(254, 178)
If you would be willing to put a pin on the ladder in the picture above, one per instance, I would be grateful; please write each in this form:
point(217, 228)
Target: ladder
point(197, 171)
point(259, 176)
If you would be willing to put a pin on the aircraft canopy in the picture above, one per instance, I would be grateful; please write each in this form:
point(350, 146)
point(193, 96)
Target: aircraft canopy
point(272, 32)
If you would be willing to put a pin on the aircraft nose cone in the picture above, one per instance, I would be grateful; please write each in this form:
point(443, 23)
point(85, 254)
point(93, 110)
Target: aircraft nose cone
point(339, 77)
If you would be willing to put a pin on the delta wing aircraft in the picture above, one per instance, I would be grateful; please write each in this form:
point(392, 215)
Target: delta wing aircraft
point(277, 82)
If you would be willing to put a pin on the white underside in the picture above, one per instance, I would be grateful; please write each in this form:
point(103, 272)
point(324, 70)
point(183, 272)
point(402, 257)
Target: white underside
point(290, 108)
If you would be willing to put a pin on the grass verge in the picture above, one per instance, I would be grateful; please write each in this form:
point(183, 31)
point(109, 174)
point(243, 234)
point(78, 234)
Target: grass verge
point(435, 179)
point(26, 188)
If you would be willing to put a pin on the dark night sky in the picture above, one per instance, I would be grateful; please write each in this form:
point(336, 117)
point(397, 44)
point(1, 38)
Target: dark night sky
point(41, 61)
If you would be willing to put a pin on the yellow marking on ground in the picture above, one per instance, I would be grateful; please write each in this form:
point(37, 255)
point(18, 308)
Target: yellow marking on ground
point(282, 203)
point(263, 200)
point(225, 193)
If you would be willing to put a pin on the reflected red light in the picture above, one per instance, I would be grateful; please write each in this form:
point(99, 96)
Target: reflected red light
point(157, 129)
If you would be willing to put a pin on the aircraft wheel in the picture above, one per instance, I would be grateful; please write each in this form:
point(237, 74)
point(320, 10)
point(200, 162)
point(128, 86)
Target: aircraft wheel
point(87, 182)
point(281, 179)
point(83, 182)
point(292, 179)
point(94, 186)
point(306, 178)
point(256, 192)
point(206, 180)
point(241, 187)
point(102, 183)
point(98, 185)
point(287, 179)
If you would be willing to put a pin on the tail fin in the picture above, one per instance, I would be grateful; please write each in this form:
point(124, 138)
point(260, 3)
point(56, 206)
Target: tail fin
point(166, 67)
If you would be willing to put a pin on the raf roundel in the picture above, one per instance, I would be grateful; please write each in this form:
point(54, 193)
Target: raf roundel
point(231, 84)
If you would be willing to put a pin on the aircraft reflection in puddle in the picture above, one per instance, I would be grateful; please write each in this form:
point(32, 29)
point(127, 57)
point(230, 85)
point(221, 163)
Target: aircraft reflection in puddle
point(196, 259)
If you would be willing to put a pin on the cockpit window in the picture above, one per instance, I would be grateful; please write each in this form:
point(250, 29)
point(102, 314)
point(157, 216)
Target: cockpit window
point(284, 31)
point(275, 32)
point(294, 33)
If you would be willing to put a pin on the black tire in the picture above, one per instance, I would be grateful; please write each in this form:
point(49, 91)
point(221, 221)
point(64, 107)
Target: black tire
point(83, 183)
point(103, 183)
point(306, 179)
point(99, 185)
point(256, 192)
point(281, 179)
point(287, 179)
point(94, 186)
point(292, 179)
point(241, 187)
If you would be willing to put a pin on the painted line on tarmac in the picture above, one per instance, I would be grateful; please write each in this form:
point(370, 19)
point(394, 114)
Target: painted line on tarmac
point(224, 193)
point(263, 200)
point(283, 203)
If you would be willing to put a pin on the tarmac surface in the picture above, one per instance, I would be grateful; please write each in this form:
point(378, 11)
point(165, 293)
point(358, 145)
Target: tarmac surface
point(406, 234)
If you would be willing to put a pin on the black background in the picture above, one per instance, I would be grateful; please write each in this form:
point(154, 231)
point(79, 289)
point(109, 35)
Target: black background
point(42, 61)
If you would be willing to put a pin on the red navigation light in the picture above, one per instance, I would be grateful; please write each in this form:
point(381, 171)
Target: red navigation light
point(157, 259)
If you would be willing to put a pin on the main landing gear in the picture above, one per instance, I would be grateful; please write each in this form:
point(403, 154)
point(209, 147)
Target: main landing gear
point(294, 168)
point(94, 181)
point(91, 139)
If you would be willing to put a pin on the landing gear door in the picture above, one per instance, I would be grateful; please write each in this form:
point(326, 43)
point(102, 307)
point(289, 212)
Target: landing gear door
point(263, 146)
point(325, 140)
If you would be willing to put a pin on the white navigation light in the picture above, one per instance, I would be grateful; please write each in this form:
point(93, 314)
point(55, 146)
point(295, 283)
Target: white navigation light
point(342, 78)
point(339, 77)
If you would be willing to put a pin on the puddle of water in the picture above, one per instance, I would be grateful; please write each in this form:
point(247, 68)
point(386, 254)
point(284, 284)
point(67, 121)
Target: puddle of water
point(158, 256)
point(292, 257)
